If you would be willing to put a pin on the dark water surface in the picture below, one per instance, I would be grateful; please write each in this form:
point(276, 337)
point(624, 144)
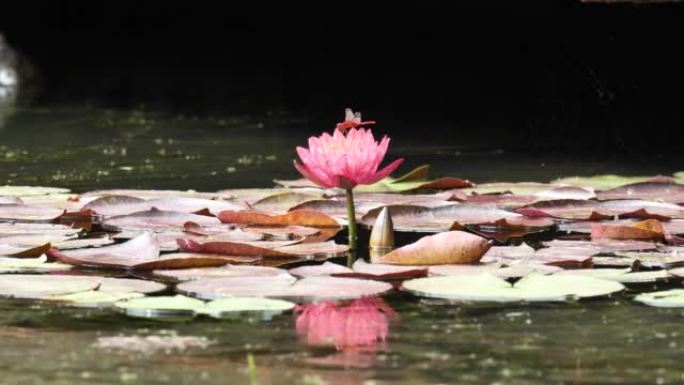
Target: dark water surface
point(607, 341)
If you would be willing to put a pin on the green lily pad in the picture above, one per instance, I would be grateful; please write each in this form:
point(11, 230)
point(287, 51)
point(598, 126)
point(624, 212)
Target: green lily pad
point(532, 288)
point(666, 298)
point(30, 265)
point(19, 191)
point(265, 308)
point(624, 275)
point(94, 298)
point(160, 307)
point(601, 182)
point(36, 286)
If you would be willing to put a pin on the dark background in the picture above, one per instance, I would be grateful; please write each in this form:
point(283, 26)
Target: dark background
point(556, 75)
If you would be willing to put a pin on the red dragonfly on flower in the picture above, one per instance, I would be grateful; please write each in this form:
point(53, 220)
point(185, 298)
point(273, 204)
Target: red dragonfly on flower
point(352, 120)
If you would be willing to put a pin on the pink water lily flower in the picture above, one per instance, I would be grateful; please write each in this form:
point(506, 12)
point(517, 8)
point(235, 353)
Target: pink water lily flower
point(345, 160)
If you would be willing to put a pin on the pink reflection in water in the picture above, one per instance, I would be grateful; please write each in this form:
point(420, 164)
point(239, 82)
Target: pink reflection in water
point(362, 323)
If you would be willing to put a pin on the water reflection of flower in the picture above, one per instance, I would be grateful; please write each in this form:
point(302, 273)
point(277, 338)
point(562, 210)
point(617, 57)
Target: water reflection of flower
point(361, 323)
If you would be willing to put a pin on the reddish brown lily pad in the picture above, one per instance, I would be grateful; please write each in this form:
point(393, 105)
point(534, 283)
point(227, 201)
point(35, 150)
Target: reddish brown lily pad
point(298, 217)
point(649, 229)
point(23, 252)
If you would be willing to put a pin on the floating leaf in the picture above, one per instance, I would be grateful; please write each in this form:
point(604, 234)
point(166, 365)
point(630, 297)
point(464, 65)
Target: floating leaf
point(237, 306)
point(624, 275)
point(593, 210)
point(649, 229)
point(362, 269)
point(608, 181)
point(565, 256)
point(154, 194)
point(11, 200)
point(94, 298)
point(83, 242)
point(223, 271)
point(605, 246)
point(566, 192)
point(304, 290)
point(282, 202)
point(139, 253)
point(22, 191)
point(123, 205)
point(505, 272)
point(452, 247)
point(157, 219)
point(564, 208)
point(164, 306)
point(416, 218)
point(22, 251)
point(327, 268)
point(520, 188)
point(663, 192)
point(648, 259)
point(263, 249)
point(29, 286)
point(298, 217)
point(532, 288)
point(35, 239)
point(25, 213)
point(32, 265)
point(666, 298)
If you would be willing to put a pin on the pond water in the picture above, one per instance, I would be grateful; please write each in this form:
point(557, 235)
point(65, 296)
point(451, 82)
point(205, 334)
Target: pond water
point(603, 341)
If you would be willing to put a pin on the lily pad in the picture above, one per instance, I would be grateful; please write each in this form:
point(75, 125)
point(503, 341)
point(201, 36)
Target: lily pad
point(532, 288)
point(20, 191)
point(624, 275)
point(304, 290)
point(163, 306)
point(31, 265)
point(157, 219)
point(224, 271)
point(94, 298)
point(123, 205)
point(31, 286)
point(26, 213)
point(605, 182)
point(666, 298)
point(233, 307)
point(298, 217)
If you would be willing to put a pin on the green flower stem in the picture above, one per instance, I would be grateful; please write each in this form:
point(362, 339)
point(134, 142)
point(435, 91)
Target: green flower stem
point(351, 218)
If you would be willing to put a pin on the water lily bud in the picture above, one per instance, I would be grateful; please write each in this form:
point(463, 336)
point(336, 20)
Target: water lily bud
point(382, 235)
